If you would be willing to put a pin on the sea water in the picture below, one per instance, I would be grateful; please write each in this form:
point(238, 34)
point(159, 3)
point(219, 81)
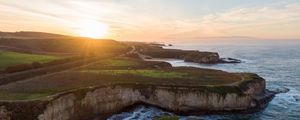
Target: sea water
point(277, 62)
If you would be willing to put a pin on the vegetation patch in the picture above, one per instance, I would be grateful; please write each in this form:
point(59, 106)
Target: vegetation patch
point(9, 95)
point(145, 73)
point(136, 73)
point(120, 62)
point(14, 58)
point(125, 63)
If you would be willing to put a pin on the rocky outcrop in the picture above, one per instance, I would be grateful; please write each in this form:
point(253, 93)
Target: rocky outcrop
point(86, 103)
point(186, 55)
point(202, 57)
point(229, 60)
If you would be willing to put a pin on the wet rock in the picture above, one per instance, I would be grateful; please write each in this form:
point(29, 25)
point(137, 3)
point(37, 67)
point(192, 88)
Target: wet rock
point(297, 98)
point(229, 60)
point(281, 90)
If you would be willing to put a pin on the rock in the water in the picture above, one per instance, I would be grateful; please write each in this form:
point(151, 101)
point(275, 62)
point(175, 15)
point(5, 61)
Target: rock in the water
point(229, 60)
point(281, 90)
point(296, 97)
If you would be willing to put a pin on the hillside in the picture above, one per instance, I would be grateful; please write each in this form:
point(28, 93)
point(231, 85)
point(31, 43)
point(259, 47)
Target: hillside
point(29, 34)
point(13, 58)
point(46, 43)
point(22, 51)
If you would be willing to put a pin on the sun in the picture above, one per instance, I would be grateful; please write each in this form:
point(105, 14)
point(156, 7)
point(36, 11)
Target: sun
point(92, 29)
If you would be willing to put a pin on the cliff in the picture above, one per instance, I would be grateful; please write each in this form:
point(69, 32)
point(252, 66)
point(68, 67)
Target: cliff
point(108, 99)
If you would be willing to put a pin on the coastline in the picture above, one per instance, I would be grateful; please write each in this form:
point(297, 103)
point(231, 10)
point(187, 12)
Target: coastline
point(249, 96)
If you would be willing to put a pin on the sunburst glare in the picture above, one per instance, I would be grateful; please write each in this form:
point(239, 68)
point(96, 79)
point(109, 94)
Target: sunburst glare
point(92, 29)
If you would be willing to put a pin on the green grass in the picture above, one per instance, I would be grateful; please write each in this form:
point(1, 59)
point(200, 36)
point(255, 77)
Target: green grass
point(14, 58)
point(29, 94)
point(144, 73)
point(7, 95)
point(113, 63)
point(120, 62)
point(39, 88)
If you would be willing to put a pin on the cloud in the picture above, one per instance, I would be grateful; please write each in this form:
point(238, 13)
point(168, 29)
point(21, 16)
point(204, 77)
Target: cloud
point(257, 15)
point(264, 22)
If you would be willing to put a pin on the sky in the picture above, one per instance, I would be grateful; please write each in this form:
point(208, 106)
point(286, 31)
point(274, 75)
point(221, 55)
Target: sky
point(146, 20)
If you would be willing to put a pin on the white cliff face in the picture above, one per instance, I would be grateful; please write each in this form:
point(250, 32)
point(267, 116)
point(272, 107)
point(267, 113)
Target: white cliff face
point(106, 100)
point(59, 109)
point(109, 100)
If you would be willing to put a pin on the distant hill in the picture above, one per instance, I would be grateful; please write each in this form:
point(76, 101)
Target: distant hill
point(29, 34)
point(48, 43)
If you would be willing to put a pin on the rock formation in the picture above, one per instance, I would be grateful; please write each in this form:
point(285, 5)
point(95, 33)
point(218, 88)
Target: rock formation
point(195, 56)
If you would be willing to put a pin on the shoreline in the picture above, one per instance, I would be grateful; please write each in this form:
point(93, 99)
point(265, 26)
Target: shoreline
point(246, 95)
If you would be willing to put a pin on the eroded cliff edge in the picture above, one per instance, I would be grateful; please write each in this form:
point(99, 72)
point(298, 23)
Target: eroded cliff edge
point(245, 96)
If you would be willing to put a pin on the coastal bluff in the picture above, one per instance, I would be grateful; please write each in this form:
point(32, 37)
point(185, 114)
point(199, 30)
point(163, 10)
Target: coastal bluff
point(246, 96)
point(110, 77)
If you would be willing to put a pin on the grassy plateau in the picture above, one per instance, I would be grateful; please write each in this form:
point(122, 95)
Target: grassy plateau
point(14, 58)
point(117, 71)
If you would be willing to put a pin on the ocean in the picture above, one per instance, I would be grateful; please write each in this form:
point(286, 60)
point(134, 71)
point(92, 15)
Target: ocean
point(278, 62)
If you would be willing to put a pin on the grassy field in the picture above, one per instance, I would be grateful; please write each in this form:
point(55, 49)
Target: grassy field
point(116, 71)
point(119, 62)
point(142, 73)
point(8, 95)
point(14, 58)
point(63, 45)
